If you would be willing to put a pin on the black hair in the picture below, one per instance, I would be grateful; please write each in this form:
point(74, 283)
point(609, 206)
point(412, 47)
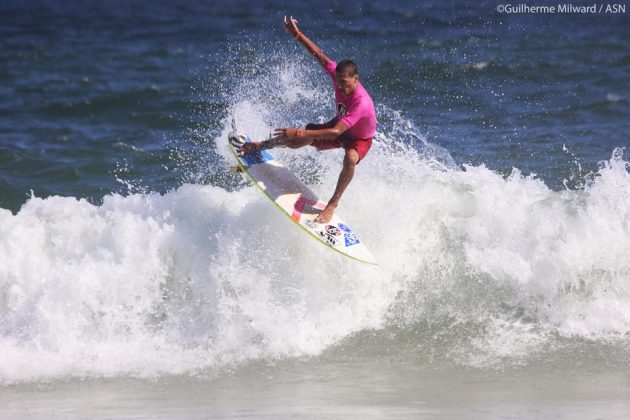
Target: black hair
point(347, 65)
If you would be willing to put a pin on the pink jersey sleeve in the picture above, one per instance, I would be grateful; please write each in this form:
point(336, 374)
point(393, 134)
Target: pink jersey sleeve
point(330, 68)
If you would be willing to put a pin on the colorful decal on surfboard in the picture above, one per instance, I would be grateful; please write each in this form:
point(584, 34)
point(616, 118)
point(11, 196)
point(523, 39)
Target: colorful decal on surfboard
point(351, 239)
point(328, 237)
point(258, 157)
point(332, 230)
point(344, 228)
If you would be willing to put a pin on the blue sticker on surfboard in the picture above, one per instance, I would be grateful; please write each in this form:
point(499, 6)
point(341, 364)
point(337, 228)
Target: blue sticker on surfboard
point(258, 157)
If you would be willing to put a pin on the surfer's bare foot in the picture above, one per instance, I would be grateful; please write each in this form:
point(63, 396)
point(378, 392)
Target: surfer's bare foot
point(327, 214)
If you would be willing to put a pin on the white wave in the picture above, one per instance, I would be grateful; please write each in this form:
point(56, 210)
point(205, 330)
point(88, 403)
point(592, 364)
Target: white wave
point(201, 278)
point(148, 284)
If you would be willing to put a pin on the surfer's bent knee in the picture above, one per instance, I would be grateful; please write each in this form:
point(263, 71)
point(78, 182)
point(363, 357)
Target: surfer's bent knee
point(352, 157)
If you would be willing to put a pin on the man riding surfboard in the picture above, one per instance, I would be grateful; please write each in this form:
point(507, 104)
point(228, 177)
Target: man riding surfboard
point(352, 128)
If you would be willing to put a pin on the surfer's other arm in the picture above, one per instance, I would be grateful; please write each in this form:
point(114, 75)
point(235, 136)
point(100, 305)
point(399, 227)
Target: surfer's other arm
point(290, 25)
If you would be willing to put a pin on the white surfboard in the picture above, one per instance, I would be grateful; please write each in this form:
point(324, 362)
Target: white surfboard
point(298, 202)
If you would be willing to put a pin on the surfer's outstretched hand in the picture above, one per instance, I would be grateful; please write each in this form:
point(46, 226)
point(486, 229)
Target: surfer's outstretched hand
point(286, 133)
point(290, 25)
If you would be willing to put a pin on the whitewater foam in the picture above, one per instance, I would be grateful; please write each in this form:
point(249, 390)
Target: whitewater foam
point(200, 277)
point(205, 276)
point(147, 284)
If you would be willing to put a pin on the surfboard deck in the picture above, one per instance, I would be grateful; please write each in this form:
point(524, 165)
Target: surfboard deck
point(293, 198)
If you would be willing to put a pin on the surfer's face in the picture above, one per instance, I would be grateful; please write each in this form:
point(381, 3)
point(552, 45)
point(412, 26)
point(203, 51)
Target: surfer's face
point(346, 82)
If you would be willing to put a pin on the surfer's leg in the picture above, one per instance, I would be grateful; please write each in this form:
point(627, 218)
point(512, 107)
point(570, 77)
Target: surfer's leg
point(347, 172)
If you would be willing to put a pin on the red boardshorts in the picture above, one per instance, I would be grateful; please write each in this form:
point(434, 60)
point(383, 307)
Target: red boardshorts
point(362, 146)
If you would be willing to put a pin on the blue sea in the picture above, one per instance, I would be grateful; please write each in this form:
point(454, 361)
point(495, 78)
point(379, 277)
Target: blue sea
point(141, 278)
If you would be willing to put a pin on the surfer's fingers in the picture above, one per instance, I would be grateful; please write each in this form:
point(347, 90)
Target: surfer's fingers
point(280, 134)
point(290, 25)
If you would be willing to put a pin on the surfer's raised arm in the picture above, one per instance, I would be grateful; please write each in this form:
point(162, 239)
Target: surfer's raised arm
point(290, 25)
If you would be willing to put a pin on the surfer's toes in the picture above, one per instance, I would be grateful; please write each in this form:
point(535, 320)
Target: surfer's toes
point(326, 215)
point(322, 219)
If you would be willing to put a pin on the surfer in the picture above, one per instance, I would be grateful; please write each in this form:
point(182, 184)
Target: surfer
point(351, 129)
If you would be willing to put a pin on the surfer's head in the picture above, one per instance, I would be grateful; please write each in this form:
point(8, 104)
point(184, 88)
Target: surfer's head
point(347, 76)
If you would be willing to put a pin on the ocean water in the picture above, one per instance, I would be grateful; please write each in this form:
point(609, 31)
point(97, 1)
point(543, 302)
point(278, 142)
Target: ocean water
point(139, 277)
